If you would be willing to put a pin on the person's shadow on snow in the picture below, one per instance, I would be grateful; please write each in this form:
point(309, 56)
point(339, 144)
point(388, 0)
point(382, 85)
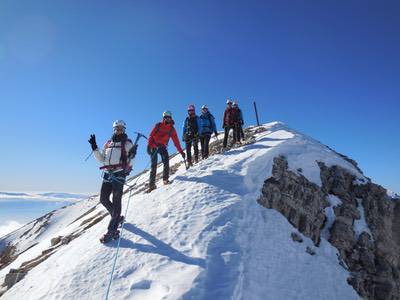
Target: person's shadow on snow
point(157, 247)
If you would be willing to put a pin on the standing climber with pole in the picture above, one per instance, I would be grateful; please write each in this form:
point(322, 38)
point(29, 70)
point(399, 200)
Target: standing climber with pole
point(228, 122)
point(115, 156)
point(190, 136)
point(157, 144)
point(207, 127)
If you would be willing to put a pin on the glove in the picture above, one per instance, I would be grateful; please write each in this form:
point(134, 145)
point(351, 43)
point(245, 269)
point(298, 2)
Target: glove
point(183, 155)
point(92, 142)
point(132, 152)
point(216, 134)
point(149, 150)
point(241, 122)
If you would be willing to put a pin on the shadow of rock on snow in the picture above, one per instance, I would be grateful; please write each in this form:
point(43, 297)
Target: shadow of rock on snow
point(157, 247)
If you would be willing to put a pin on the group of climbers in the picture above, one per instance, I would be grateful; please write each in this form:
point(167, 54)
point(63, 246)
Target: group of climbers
point(120, 150)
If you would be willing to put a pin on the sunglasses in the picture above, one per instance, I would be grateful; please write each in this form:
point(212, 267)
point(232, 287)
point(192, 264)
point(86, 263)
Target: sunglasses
point(190, 110)
point(166, 117)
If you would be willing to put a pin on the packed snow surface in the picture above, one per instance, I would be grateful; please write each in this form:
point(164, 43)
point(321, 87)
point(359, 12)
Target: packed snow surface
point(202, 237)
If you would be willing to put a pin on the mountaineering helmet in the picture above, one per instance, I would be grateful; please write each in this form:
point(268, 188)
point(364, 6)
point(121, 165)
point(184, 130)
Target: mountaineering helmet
point(167, 114)
point(228, 101)
point(204, 107)
point(119, 123)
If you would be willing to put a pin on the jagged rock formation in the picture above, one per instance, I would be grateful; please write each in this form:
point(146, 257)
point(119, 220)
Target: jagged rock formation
point(373, 261)
point(299, 200)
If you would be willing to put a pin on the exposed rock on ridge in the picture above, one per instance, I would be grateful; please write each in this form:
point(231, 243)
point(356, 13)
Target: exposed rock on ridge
point(373, 262)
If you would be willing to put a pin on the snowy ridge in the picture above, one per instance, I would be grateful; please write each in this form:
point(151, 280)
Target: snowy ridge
point(202, 237)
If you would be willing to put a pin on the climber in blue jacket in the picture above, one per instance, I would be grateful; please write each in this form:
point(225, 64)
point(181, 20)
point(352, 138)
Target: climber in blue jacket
point(207, 127)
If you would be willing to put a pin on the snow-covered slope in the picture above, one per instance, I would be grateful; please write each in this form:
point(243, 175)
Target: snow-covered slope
point(202, 237)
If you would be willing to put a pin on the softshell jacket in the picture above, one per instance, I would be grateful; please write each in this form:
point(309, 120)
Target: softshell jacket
point(237, 116)
point(160, 135)
point(111, 155)
point(229, 117)
point(191, 126)
point(207, 123)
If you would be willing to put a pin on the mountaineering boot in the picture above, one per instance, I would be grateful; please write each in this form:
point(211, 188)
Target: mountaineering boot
point(166, 181)
point(151, 188)
point(109, 236)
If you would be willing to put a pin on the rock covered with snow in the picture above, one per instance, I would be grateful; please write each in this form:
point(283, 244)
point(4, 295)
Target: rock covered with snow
point(365, 229)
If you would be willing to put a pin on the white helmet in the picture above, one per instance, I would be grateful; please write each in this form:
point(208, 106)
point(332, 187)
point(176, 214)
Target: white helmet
point(167, 113)
point(228, 101)
point(204, 107)
point(118, 123)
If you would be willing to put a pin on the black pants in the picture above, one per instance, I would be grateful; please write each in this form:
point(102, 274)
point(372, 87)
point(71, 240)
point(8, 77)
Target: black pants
point(205, 141)
point(112, 183)
point(165, 159)
point(237, 132)
point(227, 129)
point(195, 142)
point(241, 132)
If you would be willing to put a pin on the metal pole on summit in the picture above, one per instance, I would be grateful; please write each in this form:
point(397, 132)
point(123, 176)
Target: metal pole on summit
point(255, 109)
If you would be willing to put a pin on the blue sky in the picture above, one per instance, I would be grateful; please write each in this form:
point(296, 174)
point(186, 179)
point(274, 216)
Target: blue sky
point(330, 69)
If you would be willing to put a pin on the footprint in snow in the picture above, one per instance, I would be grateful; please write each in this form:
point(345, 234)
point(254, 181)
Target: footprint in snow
point(141, 285)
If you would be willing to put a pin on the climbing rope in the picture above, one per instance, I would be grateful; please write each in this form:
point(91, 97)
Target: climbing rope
point(119, 241)
point(113, 177)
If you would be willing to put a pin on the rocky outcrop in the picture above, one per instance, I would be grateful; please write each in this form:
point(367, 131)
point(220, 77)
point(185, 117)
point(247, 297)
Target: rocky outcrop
point(299, 200)
point(373, 261)
point(16, 275)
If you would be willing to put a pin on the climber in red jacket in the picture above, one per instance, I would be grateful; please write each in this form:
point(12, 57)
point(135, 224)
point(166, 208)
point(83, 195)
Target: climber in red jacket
point(158, 142)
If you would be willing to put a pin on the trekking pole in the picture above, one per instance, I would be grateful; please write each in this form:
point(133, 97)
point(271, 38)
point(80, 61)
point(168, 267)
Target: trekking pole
point(89, 156)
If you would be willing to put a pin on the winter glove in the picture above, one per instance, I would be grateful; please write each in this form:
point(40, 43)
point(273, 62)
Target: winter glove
point(183, 155)
point(149, 150)
point(241, 122)
point(132, 152)
point(216, 134)
point(92, 142)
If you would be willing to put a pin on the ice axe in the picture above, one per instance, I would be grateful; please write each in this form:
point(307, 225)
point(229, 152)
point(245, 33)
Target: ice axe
point(138, 136)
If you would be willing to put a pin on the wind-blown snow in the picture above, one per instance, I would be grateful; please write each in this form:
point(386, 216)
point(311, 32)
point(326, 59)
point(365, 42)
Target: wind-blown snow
point(202, 237)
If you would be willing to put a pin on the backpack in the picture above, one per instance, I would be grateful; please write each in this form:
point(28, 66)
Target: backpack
point(191, 125)
point(158, 128)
